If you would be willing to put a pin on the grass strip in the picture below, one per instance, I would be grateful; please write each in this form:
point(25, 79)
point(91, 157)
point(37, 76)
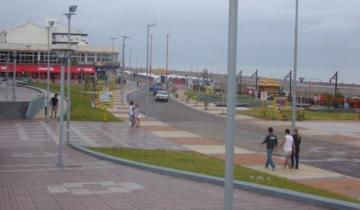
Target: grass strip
point(285, 114)
point(81, 109)
point(203, 164)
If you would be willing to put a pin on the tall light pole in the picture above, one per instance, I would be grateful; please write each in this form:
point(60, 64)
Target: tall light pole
point(50, 24)
point(71, 12)
point(293, 120)
point(123, 67)
point(147, 69)
point(231, 105)
point(289, 76)
point(113, 50)
point(130, 57)
point(63, 55)
point(256, 76)
point(14, 76)
point(167, 62)
point(335, 77)
point(150, 56)
point(7, 75)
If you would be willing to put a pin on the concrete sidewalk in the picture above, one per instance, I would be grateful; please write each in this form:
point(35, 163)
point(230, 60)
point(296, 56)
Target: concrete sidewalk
point(29, 179)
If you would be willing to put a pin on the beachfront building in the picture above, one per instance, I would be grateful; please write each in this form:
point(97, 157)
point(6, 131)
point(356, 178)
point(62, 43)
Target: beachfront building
point(28, 46)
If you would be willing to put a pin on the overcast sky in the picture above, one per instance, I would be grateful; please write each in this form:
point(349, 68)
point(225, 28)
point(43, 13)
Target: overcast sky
point(329, 32)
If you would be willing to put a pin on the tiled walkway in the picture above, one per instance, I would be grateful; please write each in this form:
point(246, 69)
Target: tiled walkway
point(29, 179)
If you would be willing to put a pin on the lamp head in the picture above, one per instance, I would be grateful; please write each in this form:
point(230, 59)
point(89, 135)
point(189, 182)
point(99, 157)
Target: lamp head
point(152, 25)
point(72, 8)
point(50, 23)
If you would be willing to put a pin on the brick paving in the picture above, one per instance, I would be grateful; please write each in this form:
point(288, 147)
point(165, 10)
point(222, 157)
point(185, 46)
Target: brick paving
point(29, 179)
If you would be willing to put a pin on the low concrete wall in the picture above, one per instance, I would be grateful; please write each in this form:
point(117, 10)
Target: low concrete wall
point(22, 109)
point(13, 110)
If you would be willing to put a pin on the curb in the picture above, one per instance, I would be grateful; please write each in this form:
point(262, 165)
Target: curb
point(267, 190)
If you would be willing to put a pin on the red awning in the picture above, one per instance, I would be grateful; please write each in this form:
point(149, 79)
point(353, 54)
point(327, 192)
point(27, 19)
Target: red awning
point(43, 68)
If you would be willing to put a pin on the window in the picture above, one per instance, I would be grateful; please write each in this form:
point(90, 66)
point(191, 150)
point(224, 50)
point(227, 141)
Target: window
point(91, 57)
point(107, 58)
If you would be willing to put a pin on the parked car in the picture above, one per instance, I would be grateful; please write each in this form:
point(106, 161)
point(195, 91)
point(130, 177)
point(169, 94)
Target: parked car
point(162, 95)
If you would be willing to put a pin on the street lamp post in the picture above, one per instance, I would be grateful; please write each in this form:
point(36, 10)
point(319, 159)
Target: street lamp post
point(14, 76)
point(63, 55)
point(231, 105)
point(71, 12)
point(293, 121)
point(256, 75)
point(335, 77)
point(147, 69)
point(123, 67)
point(112, 51)
point(167, 62)
point(289, 76)
point(7, 75)
point(302, 91)
point(50, 24)
point(150, 57)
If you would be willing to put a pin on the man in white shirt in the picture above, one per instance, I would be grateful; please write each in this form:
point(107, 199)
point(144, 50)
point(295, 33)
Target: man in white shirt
point(288, 147)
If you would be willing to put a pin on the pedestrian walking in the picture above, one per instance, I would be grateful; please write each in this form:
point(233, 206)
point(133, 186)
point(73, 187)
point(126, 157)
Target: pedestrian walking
point(271, 142)
point(296, 151)
point(288, 145)
point(54, 106)
point(46, 106)
point(132, 114)
point(137, 115)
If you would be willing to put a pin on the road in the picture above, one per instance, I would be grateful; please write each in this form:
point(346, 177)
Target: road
point(316, 152)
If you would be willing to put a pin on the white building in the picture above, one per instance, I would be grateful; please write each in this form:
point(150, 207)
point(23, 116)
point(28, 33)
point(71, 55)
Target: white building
point(28, 43)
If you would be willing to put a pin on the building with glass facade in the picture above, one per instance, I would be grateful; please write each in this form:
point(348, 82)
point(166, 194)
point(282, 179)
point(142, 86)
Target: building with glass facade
point(27, 46)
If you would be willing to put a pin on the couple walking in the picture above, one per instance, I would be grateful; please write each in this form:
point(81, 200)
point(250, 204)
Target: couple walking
point(290, 146)
point(134, 115)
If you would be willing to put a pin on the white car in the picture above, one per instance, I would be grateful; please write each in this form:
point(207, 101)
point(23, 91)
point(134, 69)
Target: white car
point(162, 95)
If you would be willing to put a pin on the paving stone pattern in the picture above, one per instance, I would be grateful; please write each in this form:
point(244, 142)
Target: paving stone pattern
point(29, 179)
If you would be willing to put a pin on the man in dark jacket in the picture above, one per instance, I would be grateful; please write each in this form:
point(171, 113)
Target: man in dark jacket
point(271, 142)
point(295, 153)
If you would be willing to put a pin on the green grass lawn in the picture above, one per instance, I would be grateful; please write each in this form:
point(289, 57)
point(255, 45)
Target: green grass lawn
point(203, 164)
point(81, 109)
point(285, 114)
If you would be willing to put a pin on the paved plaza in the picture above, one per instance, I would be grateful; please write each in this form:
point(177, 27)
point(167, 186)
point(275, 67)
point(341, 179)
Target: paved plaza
point(29, 179)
